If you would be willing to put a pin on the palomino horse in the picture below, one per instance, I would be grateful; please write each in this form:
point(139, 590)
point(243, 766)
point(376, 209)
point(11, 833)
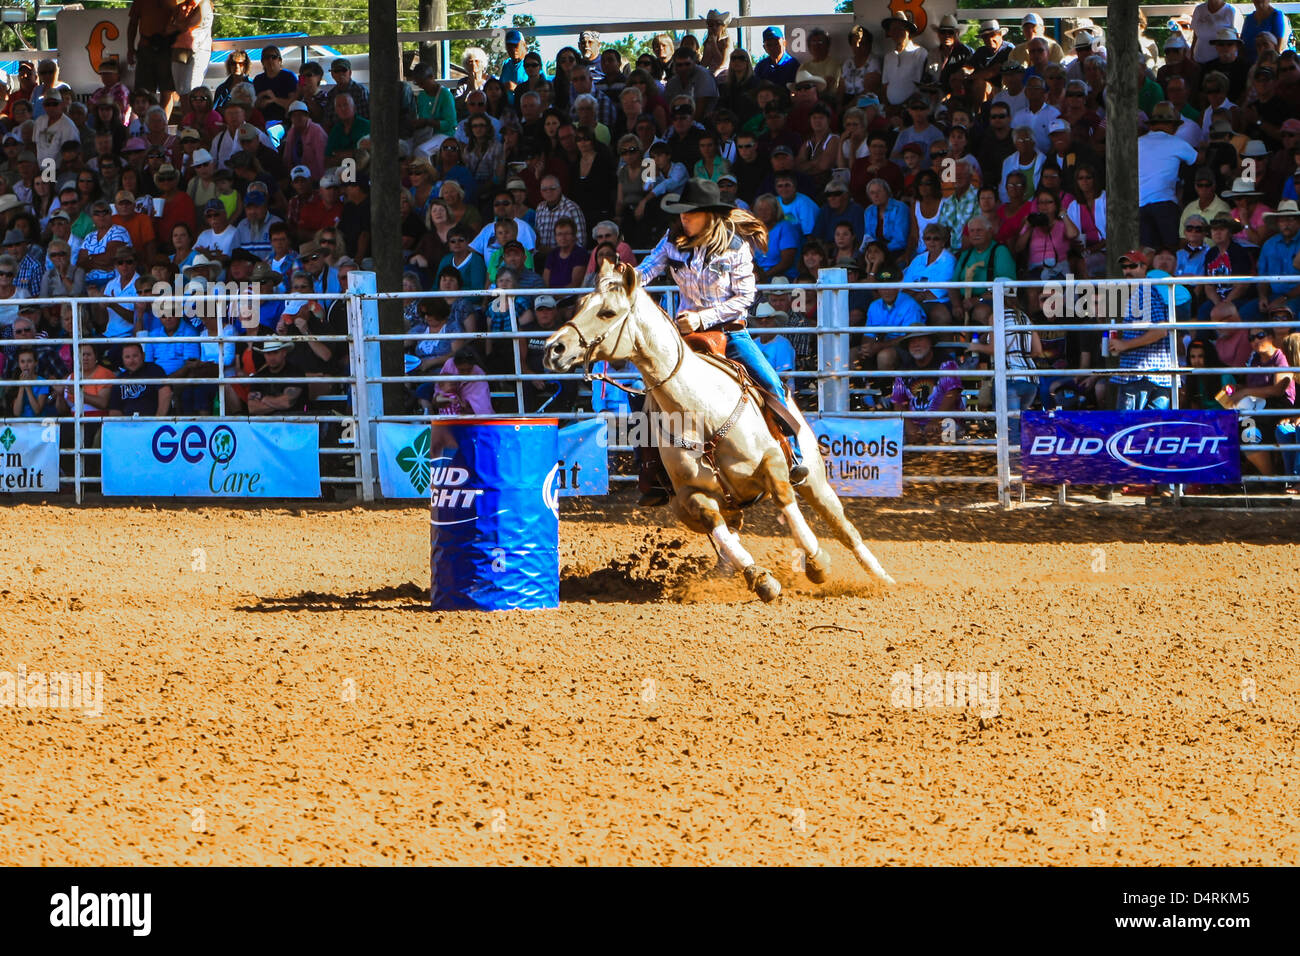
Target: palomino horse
point(739, 461)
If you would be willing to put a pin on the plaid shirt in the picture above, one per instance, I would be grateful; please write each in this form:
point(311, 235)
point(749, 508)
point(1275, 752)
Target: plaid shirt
point(546, 218)
point(720, 290)
point(31, 270)
point(1150, 310)
point(359, 96)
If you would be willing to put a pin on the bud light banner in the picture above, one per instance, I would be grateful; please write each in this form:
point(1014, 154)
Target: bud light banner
point(212, 459)
point(1149, 447)
point(405, 470)
point(864, 457)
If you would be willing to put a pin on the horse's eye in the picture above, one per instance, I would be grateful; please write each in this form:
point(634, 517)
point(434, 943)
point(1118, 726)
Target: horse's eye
point(607, 313)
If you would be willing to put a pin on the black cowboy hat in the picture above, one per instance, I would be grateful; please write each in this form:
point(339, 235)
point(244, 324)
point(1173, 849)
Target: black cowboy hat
point(905, 18)
point(700, 195)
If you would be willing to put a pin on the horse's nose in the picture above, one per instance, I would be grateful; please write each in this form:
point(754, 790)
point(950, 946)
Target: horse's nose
point(554, 354)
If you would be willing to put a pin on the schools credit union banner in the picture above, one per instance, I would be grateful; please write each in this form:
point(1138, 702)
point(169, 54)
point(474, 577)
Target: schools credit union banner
point(211, 459)
point(1111, 448)
point(864, 457)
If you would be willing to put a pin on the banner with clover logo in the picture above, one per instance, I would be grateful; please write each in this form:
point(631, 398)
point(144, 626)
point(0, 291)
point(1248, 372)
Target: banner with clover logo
point(29, 458)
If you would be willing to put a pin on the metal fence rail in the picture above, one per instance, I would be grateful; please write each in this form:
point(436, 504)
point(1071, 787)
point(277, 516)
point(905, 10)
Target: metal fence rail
point(971, 435)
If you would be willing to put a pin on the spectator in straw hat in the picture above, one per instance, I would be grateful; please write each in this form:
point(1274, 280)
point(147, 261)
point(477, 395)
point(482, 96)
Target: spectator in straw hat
point(902, 62)
point(994, 50)
point(1278, 257)
point(1161, 155)
point(715, 53)
point(1229, 61)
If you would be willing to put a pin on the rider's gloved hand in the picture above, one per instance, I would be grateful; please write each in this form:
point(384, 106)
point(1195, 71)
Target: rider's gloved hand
point(688, 322)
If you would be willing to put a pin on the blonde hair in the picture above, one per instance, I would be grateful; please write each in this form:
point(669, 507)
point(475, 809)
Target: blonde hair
point(1291, 348)
point(715, 238)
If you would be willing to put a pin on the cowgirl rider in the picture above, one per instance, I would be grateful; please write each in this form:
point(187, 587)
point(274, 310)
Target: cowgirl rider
point(707, 250)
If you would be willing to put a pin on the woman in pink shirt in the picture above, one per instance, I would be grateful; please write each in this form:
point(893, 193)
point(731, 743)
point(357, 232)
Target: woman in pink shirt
point(463, 398)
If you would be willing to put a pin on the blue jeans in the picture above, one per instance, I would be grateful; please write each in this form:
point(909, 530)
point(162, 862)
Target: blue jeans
point(742, 348)
point(1020, 395)
point(1287, 434)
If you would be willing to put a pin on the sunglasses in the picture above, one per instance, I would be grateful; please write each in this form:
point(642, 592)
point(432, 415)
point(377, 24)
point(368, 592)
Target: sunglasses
point(101, 212)
point(746, 146)
point(58, 255)
point(211, 215)
point(1075, 93)
point(628, 152)
point(1194, 229)
point(451, 239)
point(329, 242)
point(1255, 336)
point(503, 202)
point(1128, 266)
point(312, 258)
point(7, 275)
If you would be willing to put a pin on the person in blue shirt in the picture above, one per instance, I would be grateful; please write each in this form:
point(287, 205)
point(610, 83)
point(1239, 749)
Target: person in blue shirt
point(892, 308)
point(777, 348)
point(610, 399)
point(463, 259)
point(778, 66)
point(783, 241)
point(886, 219)
point(1277, 257)
point(796, 206)
point(512, 70)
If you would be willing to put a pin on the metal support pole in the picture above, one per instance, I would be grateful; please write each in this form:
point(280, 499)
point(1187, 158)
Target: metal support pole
point(832, 350)
point(77, 468)
point(359, 356)
point(1000, 392)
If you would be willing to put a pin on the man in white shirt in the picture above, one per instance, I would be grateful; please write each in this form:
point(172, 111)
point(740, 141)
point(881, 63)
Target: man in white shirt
point(1012, 94)
point(217, 241)
point(1161, 156)
point(52, 130)
point(1038, 113)
point(903, 62)
point(1208, 19)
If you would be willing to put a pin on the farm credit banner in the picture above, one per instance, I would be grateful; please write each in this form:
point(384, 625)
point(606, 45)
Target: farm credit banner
point(1151, 447)
point(583, 466)
point(864, 457)
point(212, 460)
point(29, 458)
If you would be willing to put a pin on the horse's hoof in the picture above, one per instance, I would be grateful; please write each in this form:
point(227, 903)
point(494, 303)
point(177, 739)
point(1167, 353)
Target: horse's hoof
point(818, 566)
point(762, 583)
point(798, 474)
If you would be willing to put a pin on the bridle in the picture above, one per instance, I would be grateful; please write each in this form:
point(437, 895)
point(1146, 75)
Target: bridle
point(589, 347)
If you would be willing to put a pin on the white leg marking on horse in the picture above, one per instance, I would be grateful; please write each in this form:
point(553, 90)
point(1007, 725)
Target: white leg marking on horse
point(868, 559)
point(799, 528)
point(730, 548)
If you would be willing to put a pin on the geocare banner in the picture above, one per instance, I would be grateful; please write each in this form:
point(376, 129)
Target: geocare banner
point(864, 456)
point(1149, 447)
point(404, 467)
point(212, 459)
point(29, 458)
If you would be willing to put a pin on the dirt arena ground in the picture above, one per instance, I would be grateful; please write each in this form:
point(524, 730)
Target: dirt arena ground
point(274, 692)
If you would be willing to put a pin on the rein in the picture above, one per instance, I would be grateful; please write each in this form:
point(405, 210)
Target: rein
point(588, 347)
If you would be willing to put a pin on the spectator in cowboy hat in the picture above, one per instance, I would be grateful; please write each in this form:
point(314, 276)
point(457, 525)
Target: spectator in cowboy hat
point(949, 54)
point(902, 62)
point(1278, 257)
point(715, 53)
point(1248, 210)
point(987, 60)
point(1224, 257)
point(1230, 62)
point(276, 398)
point(1161, 154)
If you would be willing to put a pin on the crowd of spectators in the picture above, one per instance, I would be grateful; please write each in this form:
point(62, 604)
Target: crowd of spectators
point(960, 163)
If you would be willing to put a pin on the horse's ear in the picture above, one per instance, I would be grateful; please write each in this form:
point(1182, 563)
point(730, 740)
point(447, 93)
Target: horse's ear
point(631, 278)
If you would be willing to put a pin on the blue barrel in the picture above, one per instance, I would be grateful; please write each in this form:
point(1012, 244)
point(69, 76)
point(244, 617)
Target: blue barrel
point(494, 515)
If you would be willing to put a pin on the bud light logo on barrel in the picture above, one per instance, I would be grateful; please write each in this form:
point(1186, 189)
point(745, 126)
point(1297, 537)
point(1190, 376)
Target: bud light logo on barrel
point(452, 501)
point(493, 507)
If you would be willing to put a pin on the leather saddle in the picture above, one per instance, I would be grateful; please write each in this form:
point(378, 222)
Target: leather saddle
point(712, 346)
